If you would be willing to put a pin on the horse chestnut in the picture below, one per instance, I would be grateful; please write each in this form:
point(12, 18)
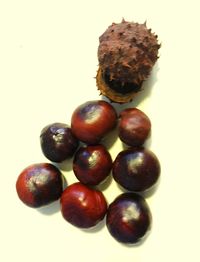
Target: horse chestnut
point(128, 218)
point(39, 184)
point(92, 164)
point(82, 206)
point(136, 169)
point(134, 127)
point(58, 142)
point(92, 120)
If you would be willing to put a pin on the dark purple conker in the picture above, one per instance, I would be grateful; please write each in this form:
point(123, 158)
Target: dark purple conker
point(128, 218)
point(136, 169)
point(58, 142)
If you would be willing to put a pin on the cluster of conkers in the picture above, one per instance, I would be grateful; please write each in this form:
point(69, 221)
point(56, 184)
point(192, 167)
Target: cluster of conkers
point(136, 169)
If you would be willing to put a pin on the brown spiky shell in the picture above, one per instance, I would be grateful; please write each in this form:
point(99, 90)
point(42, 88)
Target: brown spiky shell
point(127, 52)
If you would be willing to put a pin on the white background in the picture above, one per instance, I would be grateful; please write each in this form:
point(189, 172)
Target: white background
point(48, 61)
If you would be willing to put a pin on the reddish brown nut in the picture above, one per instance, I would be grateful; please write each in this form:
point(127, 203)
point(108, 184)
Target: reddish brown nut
point(134, 127)
point(92, 120)
point(92, 164)
point(39, 184)
point(82, 206)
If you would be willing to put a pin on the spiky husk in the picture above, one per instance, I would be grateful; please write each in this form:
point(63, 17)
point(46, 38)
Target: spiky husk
point(110, 92)
point(126, 53)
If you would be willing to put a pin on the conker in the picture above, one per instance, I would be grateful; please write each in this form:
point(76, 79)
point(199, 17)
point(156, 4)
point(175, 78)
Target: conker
point(58, 142)
point(92, 120)
point(92, 164)
point(136, 169)
point(82, 206)
point(39, 184)
point(128, 218)
point(134, 127)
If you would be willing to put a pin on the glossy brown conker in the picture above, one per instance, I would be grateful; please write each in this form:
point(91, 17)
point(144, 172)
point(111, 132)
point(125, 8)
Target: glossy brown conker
point(134, 127)
point(82, 206)
point(92, 164)
point(39, 184)
point(92, 120)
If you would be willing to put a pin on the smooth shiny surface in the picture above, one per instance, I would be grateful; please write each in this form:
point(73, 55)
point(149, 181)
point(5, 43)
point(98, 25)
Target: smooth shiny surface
point(92, 120)
point(128, 218)
point(82, 206)
point(39, 184)
point(92, 164)
point(58, 142)
point(136, 169)
point(134, 127)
